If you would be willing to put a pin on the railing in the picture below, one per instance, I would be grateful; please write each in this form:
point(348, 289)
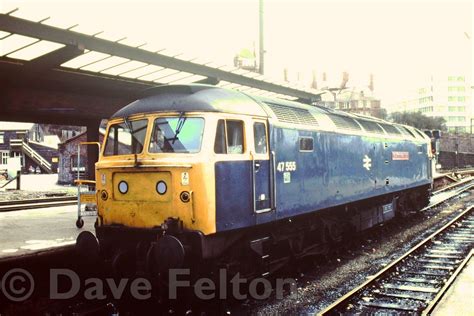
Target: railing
point(43, 163)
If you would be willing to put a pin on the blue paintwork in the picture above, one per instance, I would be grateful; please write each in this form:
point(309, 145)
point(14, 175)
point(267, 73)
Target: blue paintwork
point(234, 197)
point(331, 175)
point(262, 184)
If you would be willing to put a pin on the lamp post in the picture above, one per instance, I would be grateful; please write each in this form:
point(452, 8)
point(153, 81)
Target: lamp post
point(261, 53)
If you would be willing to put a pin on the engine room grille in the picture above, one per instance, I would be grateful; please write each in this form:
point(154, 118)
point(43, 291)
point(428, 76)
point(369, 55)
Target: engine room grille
point(344, 122)
point(406, 131)
point(371, 126)
point(292, 115)
point(390, 129)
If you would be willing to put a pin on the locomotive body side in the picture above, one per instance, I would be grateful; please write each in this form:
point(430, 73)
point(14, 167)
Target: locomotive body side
point(321, 167)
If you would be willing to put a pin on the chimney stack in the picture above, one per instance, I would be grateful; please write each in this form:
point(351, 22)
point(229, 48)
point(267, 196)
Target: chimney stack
point(345, 79)
point(371, 83)
point(285, 74)
point(314, 83)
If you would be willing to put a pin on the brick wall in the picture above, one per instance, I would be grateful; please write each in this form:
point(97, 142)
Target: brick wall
point(68, 156)
point(465, 143)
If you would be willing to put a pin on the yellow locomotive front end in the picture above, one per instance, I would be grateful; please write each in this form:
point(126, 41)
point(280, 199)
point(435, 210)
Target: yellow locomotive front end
point(155, 190)
point(168, 162)
point(151, 169)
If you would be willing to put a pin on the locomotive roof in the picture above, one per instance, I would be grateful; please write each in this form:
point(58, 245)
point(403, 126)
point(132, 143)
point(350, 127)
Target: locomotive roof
point(196, 98)
point(206, 98)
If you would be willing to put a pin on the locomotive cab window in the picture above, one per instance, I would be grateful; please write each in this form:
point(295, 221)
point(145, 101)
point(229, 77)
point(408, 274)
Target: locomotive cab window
point(177, 135)
point(306, 144)
point(260, 138)
point(229, 137)
point(126, 138)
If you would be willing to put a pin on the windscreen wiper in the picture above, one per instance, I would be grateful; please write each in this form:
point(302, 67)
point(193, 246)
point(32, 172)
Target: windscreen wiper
point(130, 129)
point(179, 126)
point(129, 125)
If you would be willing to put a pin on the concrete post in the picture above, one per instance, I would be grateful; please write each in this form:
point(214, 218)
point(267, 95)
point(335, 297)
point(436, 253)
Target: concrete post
point(92, 151)
point(18, 180)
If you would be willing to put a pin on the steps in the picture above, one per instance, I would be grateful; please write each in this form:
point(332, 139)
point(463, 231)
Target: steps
point(19, 144)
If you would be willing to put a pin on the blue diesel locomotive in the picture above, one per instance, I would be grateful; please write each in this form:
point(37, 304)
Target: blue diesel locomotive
point(192, 173)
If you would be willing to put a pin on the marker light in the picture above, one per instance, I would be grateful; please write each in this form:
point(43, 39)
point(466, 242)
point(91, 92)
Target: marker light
point(161, 187)
point(123, 187)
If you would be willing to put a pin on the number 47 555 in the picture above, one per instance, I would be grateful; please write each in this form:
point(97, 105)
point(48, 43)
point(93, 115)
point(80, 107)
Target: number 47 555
point(286, 166)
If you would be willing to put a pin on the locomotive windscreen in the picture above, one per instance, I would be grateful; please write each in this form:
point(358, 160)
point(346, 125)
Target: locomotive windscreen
point(126, 138)
point(177, 135)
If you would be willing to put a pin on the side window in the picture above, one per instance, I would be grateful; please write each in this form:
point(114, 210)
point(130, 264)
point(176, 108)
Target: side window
point(260, 138)
point(306, 144)
point(229, 137)
point(220, 145)
point(235, 137)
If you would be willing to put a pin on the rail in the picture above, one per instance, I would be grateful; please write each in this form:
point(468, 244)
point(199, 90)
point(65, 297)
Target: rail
point(9, 206)
point(396, 288)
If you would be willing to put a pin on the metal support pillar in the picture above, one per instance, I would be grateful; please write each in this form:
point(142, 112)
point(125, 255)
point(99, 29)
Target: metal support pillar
point(92, 151)
point(261, 67)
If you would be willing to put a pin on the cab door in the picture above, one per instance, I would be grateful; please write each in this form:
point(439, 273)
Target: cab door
point(261, 167)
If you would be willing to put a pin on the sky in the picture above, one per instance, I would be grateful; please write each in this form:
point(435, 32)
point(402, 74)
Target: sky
point(400, 42)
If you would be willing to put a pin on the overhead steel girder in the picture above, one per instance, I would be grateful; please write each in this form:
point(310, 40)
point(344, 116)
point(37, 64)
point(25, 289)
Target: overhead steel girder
point(45, 32)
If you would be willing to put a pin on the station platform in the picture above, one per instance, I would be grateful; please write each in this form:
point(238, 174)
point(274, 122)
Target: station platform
point(29, 232)
point(459, 298)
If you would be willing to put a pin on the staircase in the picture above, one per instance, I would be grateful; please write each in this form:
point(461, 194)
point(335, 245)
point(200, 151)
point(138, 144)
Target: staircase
point(19, 144)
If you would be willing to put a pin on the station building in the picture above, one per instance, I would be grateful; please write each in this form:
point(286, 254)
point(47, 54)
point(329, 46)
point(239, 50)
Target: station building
point(69, 167)
point(38, 152)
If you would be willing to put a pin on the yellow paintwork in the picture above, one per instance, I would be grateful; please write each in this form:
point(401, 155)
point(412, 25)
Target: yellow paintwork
point(88, 198)
point(142, 206)
point(141, 185)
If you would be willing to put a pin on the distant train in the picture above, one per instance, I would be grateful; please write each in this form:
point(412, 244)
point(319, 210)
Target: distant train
point(194, 173)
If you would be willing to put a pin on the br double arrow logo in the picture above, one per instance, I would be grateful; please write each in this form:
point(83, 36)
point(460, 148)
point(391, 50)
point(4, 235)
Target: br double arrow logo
point(367, 162)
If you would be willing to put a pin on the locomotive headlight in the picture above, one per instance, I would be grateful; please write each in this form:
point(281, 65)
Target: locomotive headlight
point(104, 195)
point(123, 187)
point(161, 187)
point(185, 196)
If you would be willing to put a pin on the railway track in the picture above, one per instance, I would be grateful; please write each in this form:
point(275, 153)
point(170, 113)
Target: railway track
point(450, 191)
point(8, 206)
point(416, 281)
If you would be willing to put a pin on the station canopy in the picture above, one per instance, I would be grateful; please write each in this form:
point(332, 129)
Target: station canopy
point(70, 57)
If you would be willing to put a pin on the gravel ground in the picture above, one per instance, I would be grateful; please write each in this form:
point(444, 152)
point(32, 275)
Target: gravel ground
point(29, 195)
point(35, 186)
point(340, 272)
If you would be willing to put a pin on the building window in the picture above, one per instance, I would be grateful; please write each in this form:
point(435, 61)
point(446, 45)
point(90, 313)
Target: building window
point(461, 99)
point(4, 157)
point(2, 137)
point(15, 154)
